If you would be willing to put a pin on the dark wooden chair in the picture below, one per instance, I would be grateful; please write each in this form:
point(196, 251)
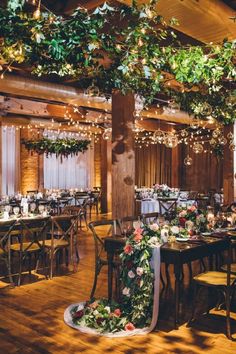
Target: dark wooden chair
point(220, 281)
point(149, 218)
point(7, 228)
point(98, 228)
point(63, 235)
point(31, 241)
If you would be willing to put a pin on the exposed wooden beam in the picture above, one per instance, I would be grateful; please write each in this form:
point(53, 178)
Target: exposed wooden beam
point(207, 21)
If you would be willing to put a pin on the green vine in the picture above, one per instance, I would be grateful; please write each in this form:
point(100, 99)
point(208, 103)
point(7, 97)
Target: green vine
point(125, 48)
point(60, 147)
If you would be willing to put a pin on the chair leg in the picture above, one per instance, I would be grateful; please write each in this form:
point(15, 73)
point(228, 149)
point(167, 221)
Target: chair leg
point(94, 282)
point(51, 264)
point(20, 269)
point(192, 318)
point(228, 324)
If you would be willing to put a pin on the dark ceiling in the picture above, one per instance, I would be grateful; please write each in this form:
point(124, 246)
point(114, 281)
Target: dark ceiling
point(231, 3)
point(66, 6)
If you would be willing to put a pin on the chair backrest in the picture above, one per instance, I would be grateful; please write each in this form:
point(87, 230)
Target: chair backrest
point(149, 218)
point(6, 228)
point(126, 224)
point(34, 229)
point(64, 226)
point(101, 229)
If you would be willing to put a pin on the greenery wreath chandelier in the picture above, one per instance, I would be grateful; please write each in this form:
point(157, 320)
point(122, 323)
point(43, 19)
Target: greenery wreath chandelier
point(131, 49)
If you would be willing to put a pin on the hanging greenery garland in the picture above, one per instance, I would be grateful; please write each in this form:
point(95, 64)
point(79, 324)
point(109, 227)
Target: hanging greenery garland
point(60, 147)
point(129, 48)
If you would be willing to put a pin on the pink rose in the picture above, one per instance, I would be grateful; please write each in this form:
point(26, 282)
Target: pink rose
point(138, 237)
point(117, 313)
point(129, 327)
point(128, 249)
point(138, 231)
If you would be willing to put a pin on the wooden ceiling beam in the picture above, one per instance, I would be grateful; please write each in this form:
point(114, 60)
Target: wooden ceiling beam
point(207, 21)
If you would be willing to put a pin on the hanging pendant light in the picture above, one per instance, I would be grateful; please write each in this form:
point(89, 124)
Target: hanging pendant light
point(188, 161)
point(198, 148)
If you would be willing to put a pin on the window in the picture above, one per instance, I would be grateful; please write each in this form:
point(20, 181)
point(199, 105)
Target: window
point(10, 160)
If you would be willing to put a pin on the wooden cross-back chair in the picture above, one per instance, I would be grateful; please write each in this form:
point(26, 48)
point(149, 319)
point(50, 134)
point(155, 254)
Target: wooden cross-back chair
point(79, 212)
point(100, 257)
point(63, 235)
point(150, 217)
point(126, 223)
point(5, 241)
point(31, 241)
point(221, 281)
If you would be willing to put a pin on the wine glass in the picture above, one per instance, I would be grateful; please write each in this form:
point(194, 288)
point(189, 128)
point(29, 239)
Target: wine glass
point(16, 210)
point(220, 220)
point(33, 207)
point(8, 208)
point(41, 209)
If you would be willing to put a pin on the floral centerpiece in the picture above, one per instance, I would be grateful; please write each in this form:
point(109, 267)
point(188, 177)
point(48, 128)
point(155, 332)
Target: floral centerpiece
point(191, 218)
point(137, 278)
point(162, 190)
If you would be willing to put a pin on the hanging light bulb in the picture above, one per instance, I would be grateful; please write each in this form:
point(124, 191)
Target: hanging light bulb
point(158, 136)
point(222, 140)
point(212, 142)
point(195, 123)
point(37, 12)
point(230, 135)
point(171, 140)
point(107, 134)
point(92, 91)
point(197, 148)
point(184, 133)
point(188, 161)
point(206, 109)
point(232, 147)
point(231, 100)
point(173, 107)
point(216, 133)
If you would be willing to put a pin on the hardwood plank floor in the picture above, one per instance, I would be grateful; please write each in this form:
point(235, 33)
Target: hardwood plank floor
point(31, 318)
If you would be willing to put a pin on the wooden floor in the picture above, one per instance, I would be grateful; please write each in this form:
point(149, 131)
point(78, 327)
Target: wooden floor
point(31, 319)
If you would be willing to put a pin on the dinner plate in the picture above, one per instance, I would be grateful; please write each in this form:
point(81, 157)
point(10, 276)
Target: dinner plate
point(182, 239)
point(206, 233)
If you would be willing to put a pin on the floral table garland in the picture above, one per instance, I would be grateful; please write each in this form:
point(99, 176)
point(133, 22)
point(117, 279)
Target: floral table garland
point(138, 311)
point(140, 277)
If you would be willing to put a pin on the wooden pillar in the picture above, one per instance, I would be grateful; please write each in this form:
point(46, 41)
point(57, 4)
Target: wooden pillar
point(123, 156)
point(31, 165)
point(228, 169)
point(105, 176)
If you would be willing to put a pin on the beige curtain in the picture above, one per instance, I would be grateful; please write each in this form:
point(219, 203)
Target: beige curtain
point(152, 165)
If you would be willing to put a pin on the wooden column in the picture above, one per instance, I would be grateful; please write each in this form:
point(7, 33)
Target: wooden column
point(228, 169)
point(123, 156)
point(105, 176)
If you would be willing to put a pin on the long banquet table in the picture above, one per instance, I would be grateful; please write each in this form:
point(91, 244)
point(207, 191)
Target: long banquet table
point(176, 253)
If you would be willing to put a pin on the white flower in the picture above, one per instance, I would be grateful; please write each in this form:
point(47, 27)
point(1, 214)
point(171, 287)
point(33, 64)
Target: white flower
point(126, 291)
point(131, 274)
point(139, 271)
point(153, 242)
point(107, 308)
point(154, 227)
point(175, 230)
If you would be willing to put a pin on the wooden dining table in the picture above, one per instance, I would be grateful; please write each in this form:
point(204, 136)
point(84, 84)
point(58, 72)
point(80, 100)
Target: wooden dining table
point(176, 253)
